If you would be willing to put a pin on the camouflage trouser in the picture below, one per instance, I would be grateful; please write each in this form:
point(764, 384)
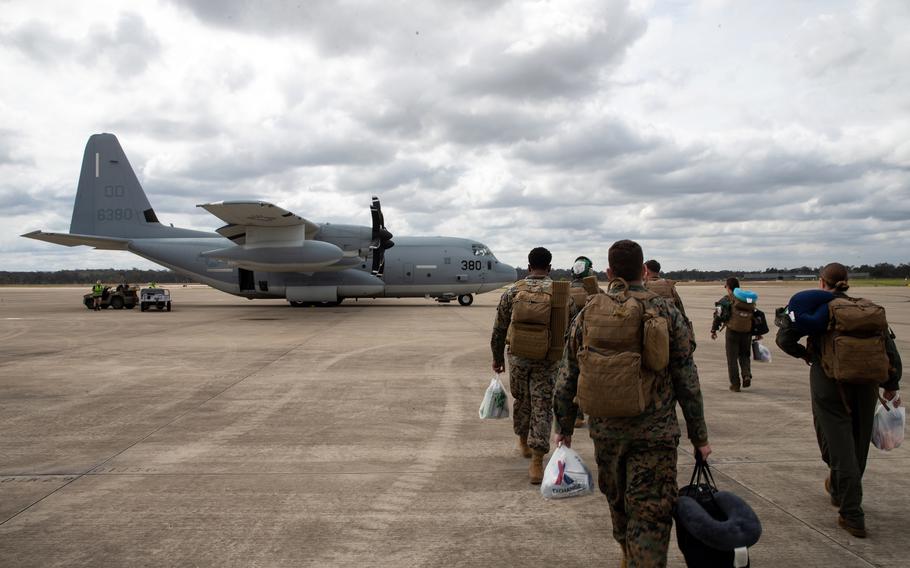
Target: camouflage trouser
point(639, 480)
point(531, 383)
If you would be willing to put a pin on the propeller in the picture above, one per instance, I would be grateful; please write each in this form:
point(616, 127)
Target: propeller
point(381, 238)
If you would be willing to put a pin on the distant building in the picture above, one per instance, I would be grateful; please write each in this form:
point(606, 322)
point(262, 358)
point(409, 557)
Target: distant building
point(777, 276)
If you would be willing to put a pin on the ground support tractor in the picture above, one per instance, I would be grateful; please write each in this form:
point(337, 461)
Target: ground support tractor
point(117, 298)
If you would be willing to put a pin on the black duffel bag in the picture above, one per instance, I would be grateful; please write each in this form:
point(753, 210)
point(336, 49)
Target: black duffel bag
point(759, 323)
point(711, 525)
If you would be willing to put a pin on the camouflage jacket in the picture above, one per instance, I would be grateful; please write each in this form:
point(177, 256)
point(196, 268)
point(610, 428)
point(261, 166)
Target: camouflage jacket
point(656, 424)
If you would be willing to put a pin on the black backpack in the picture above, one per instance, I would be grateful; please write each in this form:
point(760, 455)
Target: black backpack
point(759, 323)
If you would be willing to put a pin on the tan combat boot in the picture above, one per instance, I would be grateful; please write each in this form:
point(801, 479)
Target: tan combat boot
point(535, 470)
point(523, 447)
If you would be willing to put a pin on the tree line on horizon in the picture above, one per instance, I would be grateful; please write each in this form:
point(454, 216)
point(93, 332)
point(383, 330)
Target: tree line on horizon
point(138, 276)
point(880, 270)
point(88, 276)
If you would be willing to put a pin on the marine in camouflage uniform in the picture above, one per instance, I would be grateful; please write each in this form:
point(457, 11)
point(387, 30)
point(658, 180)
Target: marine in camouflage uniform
point(530, 380)
point(582, 268)
point(636, 457)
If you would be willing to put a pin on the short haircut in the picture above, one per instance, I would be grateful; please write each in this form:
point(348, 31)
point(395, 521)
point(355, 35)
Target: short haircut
point(835, 276)
point(539, 258)
point(625, 258)
point(653, 266)
point(733, 283)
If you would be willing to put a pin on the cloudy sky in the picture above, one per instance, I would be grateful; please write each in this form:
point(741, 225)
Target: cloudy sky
point(719, 134)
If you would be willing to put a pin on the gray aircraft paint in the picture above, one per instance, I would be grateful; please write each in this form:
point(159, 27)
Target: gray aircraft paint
point(112, 212)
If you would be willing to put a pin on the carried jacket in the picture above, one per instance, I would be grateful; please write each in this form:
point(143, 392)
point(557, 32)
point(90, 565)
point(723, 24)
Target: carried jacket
point(788, 338)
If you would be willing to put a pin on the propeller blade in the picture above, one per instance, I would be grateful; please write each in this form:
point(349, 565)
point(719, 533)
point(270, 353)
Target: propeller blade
point(381, 237)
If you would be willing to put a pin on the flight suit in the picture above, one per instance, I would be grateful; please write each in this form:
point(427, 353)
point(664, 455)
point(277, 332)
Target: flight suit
point(636, 456)
point(738, 345)
point(842, 415)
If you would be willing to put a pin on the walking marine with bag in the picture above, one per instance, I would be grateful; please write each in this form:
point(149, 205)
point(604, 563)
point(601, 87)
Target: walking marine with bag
point(531, 319)
point(852, 354)
point(628, 361)
point(735, 312)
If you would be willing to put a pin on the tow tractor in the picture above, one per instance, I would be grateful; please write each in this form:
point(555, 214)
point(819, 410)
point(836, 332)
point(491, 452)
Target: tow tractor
point(116, 298)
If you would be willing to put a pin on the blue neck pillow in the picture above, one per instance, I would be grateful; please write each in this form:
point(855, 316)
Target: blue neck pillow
point(747, 296)
point(810, 308)
point(741, 528)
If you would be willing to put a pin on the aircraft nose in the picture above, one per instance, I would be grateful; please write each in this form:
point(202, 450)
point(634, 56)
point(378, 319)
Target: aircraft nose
point(507, 272)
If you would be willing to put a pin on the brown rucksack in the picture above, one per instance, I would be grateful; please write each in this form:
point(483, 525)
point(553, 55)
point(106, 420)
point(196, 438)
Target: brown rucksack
point(740, 316)
point(853, 349)
point(663, 288)
point(625, 348)
point(539, 320)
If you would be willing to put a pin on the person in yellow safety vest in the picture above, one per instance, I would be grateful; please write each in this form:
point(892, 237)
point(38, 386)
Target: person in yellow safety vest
point(97, 292)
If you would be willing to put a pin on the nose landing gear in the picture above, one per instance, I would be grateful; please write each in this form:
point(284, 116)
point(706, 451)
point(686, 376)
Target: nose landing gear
point(466, 299)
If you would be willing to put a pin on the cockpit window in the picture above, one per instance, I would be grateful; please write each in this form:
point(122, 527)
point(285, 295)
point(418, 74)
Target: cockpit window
point(480, 250)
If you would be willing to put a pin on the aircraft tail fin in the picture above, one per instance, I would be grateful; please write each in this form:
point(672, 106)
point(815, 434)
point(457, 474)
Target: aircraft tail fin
point(109, 200)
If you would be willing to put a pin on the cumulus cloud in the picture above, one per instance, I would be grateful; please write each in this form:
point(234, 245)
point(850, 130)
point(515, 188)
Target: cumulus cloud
point(695, 127)
point(128, 47)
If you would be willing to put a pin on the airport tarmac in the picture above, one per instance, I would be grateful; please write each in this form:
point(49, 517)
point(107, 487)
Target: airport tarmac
point(232, 432)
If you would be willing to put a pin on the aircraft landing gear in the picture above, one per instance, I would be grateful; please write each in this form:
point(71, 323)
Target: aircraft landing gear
point(466, 299)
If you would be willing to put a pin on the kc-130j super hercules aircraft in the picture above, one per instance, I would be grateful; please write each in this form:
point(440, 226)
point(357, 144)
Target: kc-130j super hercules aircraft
point(266, 252)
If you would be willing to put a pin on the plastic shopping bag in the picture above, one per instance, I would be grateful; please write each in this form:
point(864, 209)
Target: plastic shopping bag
point(888, 425)
point(760, 352)
point(566, 475)
point(495, 404)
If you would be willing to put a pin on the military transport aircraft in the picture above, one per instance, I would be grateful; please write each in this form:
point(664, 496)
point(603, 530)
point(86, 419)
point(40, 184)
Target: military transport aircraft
point(264, 251)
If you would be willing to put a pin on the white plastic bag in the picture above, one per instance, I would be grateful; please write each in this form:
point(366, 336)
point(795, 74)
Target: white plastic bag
point(566, 475)
point(495, 404)
point(888, 425)
point(760, 353)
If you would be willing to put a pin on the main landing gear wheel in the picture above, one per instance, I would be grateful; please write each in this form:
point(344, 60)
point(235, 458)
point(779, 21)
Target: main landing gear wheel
point(466, 299)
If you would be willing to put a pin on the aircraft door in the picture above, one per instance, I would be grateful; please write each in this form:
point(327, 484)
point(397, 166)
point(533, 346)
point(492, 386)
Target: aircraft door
point(408, 274)
point(247, 280)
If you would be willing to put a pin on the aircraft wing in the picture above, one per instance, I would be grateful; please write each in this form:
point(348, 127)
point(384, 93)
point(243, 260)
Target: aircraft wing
point(73, 240)
point(239, 215)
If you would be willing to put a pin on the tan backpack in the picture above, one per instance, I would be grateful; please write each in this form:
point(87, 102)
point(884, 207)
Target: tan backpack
point(625, 348)
point(664, 288)
point(539, 321)
point(579, 296)
point(740, 316)
point(853, 349)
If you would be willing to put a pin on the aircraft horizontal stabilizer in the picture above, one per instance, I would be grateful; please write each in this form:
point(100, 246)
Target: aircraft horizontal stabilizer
point(257, 214)
point(71, 240)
